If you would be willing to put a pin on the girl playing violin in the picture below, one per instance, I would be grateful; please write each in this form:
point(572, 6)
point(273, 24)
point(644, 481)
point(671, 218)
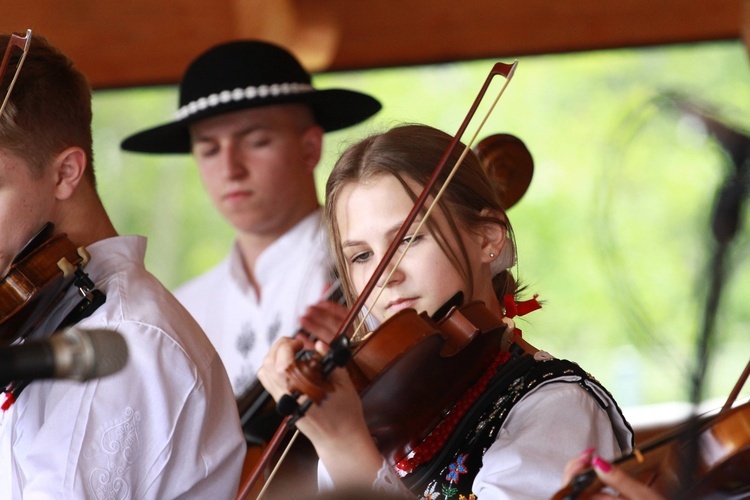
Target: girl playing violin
point(534, 411)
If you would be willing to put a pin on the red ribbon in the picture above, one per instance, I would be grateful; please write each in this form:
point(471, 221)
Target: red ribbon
point(10, 398)
point(513, 308)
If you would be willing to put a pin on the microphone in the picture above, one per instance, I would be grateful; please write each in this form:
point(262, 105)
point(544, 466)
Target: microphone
point(735, 142)
point(727, 216)
point(71, 354)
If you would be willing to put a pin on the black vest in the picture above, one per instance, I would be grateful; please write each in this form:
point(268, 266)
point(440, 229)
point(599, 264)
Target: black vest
point(452, 471)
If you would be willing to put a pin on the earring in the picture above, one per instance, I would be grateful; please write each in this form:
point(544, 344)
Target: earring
point(492, 255)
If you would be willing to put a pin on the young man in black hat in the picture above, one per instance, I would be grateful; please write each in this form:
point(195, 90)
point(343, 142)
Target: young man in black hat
point(255, 125)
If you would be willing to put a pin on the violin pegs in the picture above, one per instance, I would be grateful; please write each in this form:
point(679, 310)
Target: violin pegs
point(84, 254)
point(66, 267)
point(339, 355)
point(301, 411)
point(287, 405)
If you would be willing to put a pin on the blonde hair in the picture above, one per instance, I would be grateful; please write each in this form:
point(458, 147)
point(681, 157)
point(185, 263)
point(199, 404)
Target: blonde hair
point(412, 152)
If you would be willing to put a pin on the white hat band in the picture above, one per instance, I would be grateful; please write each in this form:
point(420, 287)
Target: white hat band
point(238, 94)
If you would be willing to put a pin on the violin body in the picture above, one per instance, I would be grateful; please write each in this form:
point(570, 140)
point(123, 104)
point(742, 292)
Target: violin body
point(723, 462)
point(413, 371)
point(35, 282)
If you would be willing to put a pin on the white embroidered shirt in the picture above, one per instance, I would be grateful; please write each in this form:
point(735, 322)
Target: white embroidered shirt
point(165, 426)
point(292, 273)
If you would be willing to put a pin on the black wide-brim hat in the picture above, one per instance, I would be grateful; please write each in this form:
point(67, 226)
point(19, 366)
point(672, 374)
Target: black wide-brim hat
point(248, 74)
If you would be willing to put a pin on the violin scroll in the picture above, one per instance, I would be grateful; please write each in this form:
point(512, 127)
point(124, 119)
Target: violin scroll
point(308, 375)
point(508, 162)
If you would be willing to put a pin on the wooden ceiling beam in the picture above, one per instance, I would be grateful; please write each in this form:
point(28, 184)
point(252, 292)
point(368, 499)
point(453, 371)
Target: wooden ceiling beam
point(141, 42)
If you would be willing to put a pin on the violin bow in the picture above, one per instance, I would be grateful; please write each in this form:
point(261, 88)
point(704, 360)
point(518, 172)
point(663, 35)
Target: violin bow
point(16, 41)
point(737, 388)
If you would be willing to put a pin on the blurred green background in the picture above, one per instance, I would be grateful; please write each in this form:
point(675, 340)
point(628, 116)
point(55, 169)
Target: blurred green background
point(613, 233)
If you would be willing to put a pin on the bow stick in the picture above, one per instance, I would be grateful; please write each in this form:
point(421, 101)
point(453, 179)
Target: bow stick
point(23, 43)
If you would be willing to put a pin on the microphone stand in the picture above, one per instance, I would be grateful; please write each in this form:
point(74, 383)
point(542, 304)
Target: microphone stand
point(726, 223)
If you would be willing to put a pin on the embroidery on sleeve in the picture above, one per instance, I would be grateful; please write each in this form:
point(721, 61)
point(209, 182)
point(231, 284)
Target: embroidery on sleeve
point(112, 455)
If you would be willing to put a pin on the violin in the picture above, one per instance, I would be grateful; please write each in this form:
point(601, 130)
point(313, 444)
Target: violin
point(404, 356)
point(706, 457)
point(721, 469)
point(411, 364)
point(38, 278)
point(405, 373)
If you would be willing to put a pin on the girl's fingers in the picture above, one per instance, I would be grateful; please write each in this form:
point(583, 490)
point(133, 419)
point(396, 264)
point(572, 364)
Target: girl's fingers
point(614, 477)
point(323, 320)
point(272, 373)
point(577, 464)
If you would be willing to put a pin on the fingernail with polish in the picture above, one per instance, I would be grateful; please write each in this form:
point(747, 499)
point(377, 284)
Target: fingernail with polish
point(601, 464)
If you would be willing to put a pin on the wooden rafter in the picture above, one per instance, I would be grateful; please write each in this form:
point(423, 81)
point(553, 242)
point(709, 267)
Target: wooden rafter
point(138, 42)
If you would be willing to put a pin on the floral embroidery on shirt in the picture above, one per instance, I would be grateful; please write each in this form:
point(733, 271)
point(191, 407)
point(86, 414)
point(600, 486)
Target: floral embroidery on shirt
point(456, 469)
point(429, 493)
point(118, 448)
point(246, 339)
point(273, 330)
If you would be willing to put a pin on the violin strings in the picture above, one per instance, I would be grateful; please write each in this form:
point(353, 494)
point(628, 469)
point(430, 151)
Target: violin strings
point(278, 464)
